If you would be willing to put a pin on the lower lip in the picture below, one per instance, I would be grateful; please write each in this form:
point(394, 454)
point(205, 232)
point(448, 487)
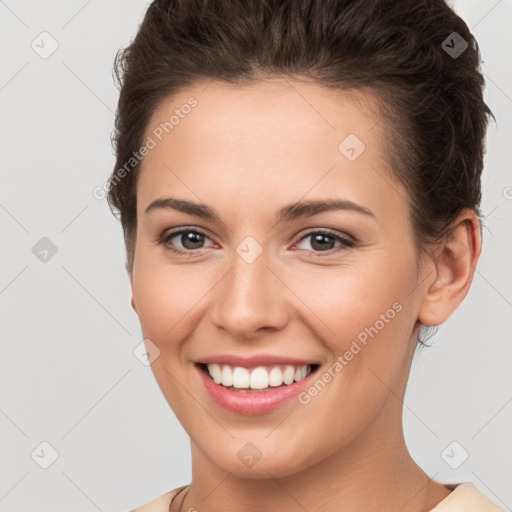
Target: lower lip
point(252, 403)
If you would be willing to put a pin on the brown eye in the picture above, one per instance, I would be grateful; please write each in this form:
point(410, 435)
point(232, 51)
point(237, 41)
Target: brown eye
point(186, 240)
point(191, 239)
point(325, 241)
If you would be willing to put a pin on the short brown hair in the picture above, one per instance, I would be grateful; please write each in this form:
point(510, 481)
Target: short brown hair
point(431, 97)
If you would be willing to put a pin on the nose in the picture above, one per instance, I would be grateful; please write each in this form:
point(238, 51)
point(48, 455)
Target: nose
point(250, 299)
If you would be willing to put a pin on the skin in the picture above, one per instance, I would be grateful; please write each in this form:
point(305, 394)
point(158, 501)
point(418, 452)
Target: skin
point(246, 151)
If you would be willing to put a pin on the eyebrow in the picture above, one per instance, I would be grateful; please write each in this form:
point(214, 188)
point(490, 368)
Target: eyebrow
point(293, 211)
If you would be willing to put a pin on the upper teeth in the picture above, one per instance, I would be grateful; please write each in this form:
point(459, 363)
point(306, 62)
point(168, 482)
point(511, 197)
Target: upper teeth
point(259, 377)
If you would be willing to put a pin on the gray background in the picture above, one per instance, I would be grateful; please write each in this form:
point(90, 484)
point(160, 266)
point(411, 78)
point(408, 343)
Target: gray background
point(68, 373)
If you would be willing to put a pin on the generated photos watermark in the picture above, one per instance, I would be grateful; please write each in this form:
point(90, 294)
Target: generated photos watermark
point(151, 141)
point(344, 359)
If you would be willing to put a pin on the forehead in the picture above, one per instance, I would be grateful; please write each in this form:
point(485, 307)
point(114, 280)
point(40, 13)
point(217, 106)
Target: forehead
point(265, 143)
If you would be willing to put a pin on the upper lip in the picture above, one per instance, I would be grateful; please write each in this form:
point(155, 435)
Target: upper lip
point(252, 361)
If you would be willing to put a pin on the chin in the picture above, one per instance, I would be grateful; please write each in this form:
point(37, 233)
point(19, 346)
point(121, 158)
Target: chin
point(263, 459)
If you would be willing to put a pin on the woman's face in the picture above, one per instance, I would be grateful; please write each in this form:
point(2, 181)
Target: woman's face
point(257, 279)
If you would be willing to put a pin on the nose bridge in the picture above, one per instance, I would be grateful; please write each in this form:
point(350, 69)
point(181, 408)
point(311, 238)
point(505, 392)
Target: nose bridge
point(250, 296)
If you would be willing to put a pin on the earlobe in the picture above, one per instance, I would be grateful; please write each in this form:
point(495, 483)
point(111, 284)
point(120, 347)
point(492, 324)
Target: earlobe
point(455, 262)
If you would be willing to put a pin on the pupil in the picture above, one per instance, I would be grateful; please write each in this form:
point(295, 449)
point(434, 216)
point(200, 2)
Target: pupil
point(320, 238)
point(195, 239)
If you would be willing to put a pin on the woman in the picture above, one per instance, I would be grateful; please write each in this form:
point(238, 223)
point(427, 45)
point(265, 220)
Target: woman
point(298, 184)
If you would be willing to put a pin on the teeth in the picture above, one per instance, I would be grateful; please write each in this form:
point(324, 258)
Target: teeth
point(215, 373)
point(275, 377)
point(258, 378)
point(226, 376)
point(288, 375)
point(240, 377)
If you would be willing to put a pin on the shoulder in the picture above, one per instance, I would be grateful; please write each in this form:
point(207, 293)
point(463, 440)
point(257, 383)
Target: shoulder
point(467, 497)
point(160, 504)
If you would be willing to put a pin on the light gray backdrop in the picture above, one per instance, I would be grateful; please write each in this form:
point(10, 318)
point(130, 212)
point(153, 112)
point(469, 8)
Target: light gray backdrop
point(69, 378)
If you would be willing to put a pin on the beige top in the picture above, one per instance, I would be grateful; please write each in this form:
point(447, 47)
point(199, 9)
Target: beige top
point(465, 497)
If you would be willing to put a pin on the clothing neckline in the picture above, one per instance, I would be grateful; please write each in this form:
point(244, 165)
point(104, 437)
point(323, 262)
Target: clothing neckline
point(457, 490)
point(450, 487)
point(180, 490)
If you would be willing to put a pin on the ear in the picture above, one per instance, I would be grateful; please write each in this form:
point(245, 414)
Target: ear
point(130, 275)
point(454, 262)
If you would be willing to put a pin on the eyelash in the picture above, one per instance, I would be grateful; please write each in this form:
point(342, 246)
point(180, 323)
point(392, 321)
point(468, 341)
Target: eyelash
point(346, 243)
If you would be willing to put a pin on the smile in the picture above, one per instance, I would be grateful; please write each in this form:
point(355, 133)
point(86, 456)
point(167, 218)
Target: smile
point(259, 378)
point(257, 389)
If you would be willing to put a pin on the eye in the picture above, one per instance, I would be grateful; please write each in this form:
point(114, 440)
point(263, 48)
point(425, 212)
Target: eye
point(322, 240)
point(190, 239)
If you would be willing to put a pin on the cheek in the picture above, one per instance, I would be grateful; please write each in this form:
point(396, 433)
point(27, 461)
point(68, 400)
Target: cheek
point(359, 301)
point(163, 295)
point(171, 299)
point(367, 316)
point(370, 319)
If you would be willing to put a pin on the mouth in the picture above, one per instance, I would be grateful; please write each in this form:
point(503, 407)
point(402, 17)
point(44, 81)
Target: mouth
point(258, 379)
